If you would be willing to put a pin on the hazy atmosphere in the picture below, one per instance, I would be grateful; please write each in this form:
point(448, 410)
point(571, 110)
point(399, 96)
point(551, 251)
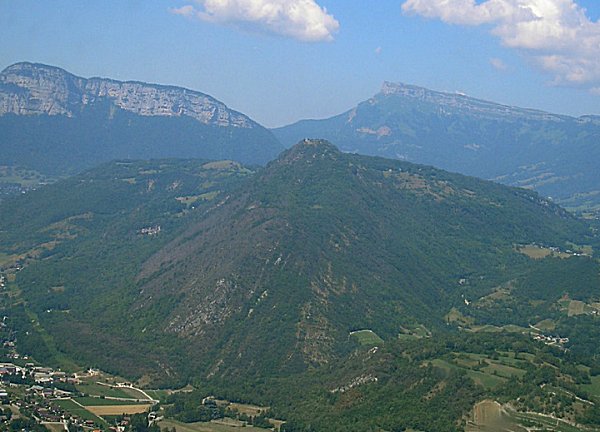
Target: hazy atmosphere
point(300, 216)
point(283, 60)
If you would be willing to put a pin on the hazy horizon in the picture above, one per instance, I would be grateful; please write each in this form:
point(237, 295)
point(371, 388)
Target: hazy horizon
point(280, 61)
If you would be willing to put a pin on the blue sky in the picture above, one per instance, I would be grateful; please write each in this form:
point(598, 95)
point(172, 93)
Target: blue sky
point(337, 53)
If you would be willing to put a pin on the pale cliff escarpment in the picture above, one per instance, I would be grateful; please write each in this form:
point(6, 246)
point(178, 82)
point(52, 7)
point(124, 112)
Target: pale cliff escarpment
point(31, 89)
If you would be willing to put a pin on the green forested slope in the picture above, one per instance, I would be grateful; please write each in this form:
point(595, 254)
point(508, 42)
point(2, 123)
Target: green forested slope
point(256, 281)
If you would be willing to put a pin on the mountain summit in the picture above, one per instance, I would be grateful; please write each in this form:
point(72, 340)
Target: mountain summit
point(554, 154)
point(58, 123)
point(461, 102)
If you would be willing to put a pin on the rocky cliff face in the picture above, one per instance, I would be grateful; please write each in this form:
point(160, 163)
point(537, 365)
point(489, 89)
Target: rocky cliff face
point(466, 104)
point(56, 123)
point(32, 89)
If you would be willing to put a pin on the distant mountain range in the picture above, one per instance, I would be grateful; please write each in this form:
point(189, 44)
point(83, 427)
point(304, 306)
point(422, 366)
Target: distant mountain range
point(58, 123)
point(554, 154)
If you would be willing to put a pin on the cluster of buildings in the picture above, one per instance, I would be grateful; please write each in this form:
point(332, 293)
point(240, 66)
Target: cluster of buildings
point(551, 340)
point(36, 401)
point(41, 375)
point(46, 375)
point(150, 231)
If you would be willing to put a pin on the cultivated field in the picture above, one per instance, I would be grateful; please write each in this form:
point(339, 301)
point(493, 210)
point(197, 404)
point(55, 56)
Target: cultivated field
point(95, 389)
point(96, 401)
point(110, 410)
point(77, 410)
point(490, 416)
point(231, 426)
point(55, 427)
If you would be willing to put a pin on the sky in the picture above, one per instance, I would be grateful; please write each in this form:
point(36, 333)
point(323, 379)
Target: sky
point(280, 61)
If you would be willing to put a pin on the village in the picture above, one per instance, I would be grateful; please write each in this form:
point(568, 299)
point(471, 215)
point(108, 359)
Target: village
point(38, 397)
point(551, 340)
point(44, 395)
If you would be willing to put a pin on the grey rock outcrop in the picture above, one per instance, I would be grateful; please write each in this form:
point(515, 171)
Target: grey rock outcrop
point(33, 89)
point(465, 104)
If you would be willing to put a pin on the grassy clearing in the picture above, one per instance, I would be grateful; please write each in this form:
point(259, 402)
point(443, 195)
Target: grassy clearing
point(95, 389)
point(367, 337)
point(188, 200)
point(418, 332)
point(77, 410)
point(509, 328)
point(512, 328)
point(594, 388)
point(546, 325)
point(192, 199)
point(136, 394)
point(539, 252)
point(583, 249)
point(208, 427)
point(510, 359)
point(488, 377)
point(504, 371)
point(443, 364)
point(6, 259)
point(250, 410)
point(535, 252)
point(576, 307)
point(481, 378)
point(485, 380)
point(455, 316)
point(223, 164)
point(160, 395)
point(65, 363)
point(96, 401)
point(486, 329)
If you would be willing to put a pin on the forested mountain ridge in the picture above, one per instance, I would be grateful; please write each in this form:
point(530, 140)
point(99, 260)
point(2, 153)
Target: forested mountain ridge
point(316, 245)
point(346, 292)
point(554, 154)
point(57, 123)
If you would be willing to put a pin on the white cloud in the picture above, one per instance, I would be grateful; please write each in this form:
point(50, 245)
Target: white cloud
point(556, 34)
point(300, 19)
point(498, 64)
point(378, 50)
point(187, 10)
